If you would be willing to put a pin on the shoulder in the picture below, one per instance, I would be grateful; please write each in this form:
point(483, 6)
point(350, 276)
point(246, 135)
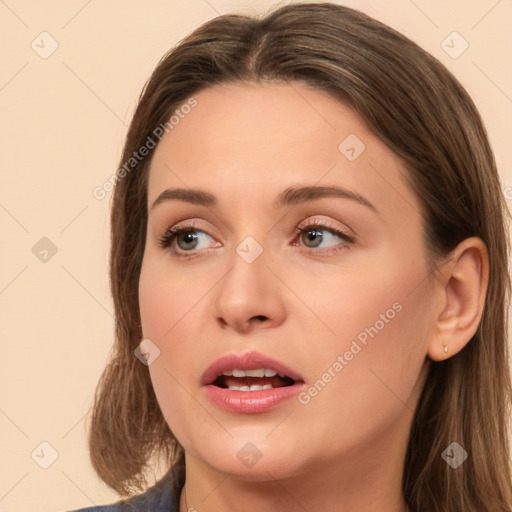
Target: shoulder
point(162, 497)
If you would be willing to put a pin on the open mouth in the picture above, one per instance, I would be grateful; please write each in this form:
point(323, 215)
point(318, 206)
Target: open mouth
point(250, 383)
point(252, 380)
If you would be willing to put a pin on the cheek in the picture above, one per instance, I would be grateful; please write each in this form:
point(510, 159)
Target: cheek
point(153, 301)
point(377, 296)
point(167, 315)
point(166, 300)
point(173, 306)
point(381, 320)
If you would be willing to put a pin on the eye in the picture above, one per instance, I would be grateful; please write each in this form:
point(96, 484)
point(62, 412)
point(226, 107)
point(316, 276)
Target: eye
point(188, 242)
point(188, 239)
point(313, 236)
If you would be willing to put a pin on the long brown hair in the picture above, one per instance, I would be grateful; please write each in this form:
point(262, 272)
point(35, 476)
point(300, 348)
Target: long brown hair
point(423, 114)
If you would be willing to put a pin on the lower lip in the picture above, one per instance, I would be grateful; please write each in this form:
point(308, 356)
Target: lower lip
point(251, 402)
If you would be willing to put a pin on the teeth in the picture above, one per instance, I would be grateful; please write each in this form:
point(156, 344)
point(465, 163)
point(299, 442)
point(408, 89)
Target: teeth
point(255, 373)
point(254, 387)
point(260, 372)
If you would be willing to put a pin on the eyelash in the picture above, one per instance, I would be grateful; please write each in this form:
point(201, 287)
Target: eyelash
point(171, 234)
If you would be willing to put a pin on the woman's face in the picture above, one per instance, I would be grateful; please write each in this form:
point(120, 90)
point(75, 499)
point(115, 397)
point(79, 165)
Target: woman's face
point(348, 315)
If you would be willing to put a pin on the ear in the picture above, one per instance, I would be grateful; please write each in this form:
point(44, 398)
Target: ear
point(461, 290)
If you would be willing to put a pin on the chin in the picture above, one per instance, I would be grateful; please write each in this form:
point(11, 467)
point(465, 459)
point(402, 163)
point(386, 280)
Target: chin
point(253, 461)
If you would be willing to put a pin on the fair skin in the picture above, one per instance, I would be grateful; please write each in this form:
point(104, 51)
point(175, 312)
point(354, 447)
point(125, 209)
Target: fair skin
point(300, 301)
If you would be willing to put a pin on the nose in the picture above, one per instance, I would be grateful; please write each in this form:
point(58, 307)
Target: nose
point(249, 297)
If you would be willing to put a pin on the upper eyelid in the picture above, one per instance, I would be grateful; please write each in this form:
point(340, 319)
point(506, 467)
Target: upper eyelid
point(190, 225)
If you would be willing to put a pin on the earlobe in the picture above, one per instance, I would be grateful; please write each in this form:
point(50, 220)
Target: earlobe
point(462, 291)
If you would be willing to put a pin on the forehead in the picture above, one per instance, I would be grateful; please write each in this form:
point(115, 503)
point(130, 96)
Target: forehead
point(248, 141)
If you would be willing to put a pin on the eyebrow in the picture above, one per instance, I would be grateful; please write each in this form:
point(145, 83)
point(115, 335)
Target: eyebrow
point(289, 196)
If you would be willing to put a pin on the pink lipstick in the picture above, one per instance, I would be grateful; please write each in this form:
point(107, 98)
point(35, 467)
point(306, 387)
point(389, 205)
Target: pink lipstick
point(250, 383)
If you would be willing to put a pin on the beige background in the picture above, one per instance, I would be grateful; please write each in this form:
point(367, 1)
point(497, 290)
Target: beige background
point(62, 127)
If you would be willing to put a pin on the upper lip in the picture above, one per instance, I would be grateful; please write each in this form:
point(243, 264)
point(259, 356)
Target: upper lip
point(246, 361)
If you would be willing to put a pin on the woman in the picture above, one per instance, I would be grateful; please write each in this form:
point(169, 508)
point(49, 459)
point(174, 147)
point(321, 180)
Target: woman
point(265, 370)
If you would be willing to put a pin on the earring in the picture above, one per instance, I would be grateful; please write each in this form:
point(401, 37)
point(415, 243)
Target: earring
point(445, 348)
